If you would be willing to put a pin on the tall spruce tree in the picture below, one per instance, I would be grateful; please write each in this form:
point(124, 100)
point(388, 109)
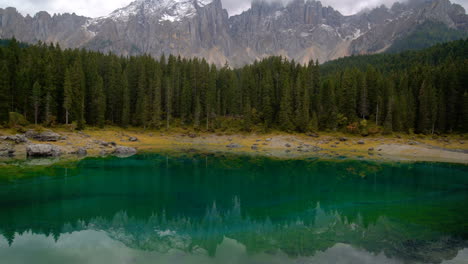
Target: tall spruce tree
point(4, 93)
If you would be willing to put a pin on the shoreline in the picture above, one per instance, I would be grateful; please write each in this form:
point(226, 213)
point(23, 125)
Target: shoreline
point(96, 142)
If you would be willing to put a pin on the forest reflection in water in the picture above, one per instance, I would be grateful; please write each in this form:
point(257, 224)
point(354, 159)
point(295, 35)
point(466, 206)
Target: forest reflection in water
point(155, 209)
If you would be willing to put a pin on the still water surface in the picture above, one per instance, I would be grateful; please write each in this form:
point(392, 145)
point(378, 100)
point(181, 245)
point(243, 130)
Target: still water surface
point(154, 208)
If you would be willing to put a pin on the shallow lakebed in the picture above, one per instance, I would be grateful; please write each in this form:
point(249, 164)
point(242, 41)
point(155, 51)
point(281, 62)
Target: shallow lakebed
point(156, 208)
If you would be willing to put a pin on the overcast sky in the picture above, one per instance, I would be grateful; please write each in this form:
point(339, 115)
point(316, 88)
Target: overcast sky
point(96, 8)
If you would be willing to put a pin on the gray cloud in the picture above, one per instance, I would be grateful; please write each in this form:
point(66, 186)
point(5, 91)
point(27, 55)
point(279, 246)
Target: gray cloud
point(95, 8)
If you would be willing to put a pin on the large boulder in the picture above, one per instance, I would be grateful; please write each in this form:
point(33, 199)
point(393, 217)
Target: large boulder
point(43, 150)
point(122, 151)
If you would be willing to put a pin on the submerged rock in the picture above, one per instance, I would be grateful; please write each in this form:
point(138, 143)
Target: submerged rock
point(43, 150)
point(122, 151)
point(132, 139)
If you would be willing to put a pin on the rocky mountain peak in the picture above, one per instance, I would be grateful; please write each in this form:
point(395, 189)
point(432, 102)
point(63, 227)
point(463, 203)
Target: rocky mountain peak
point(300, 29)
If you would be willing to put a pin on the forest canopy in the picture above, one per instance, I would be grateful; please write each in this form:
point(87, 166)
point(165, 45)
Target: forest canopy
point(417, 91)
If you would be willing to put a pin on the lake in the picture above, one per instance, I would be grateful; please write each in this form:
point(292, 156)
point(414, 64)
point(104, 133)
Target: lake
point(197, 208)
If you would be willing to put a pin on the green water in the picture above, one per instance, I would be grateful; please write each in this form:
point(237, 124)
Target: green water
point(232, 209)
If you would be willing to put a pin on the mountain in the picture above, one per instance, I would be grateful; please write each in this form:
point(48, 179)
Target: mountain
point(300, 30)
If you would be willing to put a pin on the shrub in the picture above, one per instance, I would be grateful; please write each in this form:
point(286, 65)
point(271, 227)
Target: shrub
point(16, 120)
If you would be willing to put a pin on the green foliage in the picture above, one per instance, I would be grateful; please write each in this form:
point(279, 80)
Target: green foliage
point(422, 91)
point(426, 35)
point(17, 119)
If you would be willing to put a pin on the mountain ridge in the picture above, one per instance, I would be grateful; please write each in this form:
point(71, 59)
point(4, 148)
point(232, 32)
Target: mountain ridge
point(300, 30)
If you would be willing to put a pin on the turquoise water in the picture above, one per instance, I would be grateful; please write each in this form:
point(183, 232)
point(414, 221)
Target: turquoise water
point(233, 209)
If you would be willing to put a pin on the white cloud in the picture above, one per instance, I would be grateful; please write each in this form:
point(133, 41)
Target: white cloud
point(95, 8)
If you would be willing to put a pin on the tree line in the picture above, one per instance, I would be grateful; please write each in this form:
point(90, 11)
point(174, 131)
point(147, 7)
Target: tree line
point(48, 85)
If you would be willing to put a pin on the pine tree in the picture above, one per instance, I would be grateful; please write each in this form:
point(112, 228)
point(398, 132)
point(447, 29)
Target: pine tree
point(125, 101)
point(211, 97)
point(157, 91)
point(363, 98)
point(247, 115)
point(141, 110)
point(267, 108)
point(68, 95)
point(427, 107)
point(36, 99)
point(4, 93)
point(100, 102)
point(78, 86)
point(328, 106)
point(285, 113)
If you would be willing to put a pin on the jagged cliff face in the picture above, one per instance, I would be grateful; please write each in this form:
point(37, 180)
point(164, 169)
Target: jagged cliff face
point(300, 30)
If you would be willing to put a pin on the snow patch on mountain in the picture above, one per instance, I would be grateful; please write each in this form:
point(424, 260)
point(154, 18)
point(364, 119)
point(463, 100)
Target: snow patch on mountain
point(165, 10)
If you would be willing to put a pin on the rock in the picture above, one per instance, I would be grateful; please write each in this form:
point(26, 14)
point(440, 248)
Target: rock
point(413, 143)
point(370, 149)
point(132, 139)
point(287, 145)
point(30, 134)
point(268, 139)
point(106, 144)
point(462, 142)
point(43, 150)
point(233, 145)
point(83, 134)
point(124, 151)
point(333, 146)
point(7, 152)
point(47, 136)
point(16, 138)
point(314, 135)
point(315, 149)
point(80, 152)
point(192, 135)
point(342, 139)
point(254, 147)
point(361, 142)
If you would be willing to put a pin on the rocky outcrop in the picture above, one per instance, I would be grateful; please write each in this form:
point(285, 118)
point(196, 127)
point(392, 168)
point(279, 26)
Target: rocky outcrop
point(43, 150)
point(47, 136)
point(301, 30)
point(18, 139)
